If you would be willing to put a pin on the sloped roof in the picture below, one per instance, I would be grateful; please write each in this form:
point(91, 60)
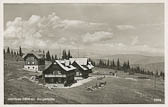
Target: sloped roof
point(66, 68)
point(38, 55)
point(59, 62)
point(83, 67)
point(65, 62)
point(47, 64)
point(90, 66)
point(81, 61)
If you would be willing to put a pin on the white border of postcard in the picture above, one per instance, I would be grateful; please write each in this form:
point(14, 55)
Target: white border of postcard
point(81, 1)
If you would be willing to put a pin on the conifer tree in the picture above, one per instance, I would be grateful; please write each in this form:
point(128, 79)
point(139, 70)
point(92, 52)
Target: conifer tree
point(14, 53)
point(56, 57)
point(118, 64)
point(69, 54)
point(48, 57)
point(108, 63)
point(4, 51)
point(128, 65)
point(8, 50)
point(52, 58)
point(20, 51)
point(64, 55)
point(113, 64)
point(11, 52)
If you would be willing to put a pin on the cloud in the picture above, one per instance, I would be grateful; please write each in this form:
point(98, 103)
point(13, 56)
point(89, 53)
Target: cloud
point(33, 19)
point(72, 22)
point(41, 32)
point(135, 40)
point(53, 32)
point(125, 27)
point(97, 36)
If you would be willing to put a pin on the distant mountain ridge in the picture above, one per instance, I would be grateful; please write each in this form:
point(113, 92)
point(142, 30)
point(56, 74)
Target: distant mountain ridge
point(134, 58)
point(159, 67)
point(151, 63)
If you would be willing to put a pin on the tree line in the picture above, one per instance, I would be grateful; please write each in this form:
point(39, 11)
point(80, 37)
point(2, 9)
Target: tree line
point(65, 55)
point(48, 56)
point(111, 64)
point(13, 52)
point(125, 67)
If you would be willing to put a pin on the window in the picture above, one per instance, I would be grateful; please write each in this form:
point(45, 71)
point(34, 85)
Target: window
point(28, 62)
point(28, 67)
point(33, 63)
point(59, 80)
point(59, 72)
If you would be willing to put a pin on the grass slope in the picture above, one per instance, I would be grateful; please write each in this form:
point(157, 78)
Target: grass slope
point(117, 91)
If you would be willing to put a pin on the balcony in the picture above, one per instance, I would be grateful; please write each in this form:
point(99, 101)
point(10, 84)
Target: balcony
point(52, 75)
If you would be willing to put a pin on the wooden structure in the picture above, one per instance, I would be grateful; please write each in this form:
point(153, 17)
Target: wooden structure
point(83, 67)
point(34, 61)
point(59, 72)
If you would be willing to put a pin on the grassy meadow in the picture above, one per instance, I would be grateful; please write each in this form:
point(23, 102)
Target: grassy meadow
point(124, 89)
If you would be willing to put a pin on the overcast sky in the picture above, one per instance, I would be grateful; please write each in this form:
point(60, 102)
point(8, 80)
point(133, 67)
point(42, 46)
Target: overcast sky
point(93, 28)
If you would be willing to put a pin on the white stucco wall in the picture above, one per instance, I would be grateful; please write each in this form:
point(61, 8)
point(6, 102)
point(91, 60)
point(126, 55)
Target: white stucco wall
point(31, 67)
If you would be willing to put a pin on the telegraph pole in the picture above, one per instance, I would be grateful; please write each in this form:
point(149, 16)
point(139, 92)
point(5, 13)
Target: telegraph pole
point(60, 53)
point(78, 51)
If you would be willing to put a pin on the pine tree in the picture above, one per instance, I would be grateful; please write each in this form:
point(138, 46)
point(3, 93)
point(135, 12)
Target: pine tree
point(124, 67)
point(20, 51)
point(44, 54)
point(55, 57)
point(100, 63)
point(128, 65)
point(4, 51)
point(11, 52)
point(108, 63)
point(64, 55)
point(8, 50)
point(118, 64)
point(48, 57)
point(14, 53)
point(113, 63)
point(69, 54)
point(138, 69)
point(52, 58)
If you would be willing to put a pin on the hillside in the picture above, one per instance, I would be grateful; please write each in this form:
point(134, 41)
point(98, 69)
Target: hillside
point(125, 89)
point(152, 66)
point(135, 58)
point(152, 63)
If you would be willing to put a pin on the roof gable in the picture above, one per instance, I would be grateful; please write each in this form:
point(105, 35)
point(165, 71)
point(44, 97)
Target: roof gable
point(80, 66)
point(81, 61)
point(66, 68)
point(37, 55)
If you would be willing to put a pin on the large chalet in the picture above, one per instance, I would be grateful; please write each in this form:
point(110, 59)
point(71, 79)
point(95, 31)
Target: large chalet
point(59, 72)
point(34, 61)
point(84, 67)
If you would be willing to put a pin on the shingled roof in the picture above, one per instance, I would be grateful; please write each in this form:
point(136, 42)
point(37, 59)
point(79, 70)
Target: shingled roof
point(38, 55)
point(83, 67)
point(63, 66)
point(81, 61)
